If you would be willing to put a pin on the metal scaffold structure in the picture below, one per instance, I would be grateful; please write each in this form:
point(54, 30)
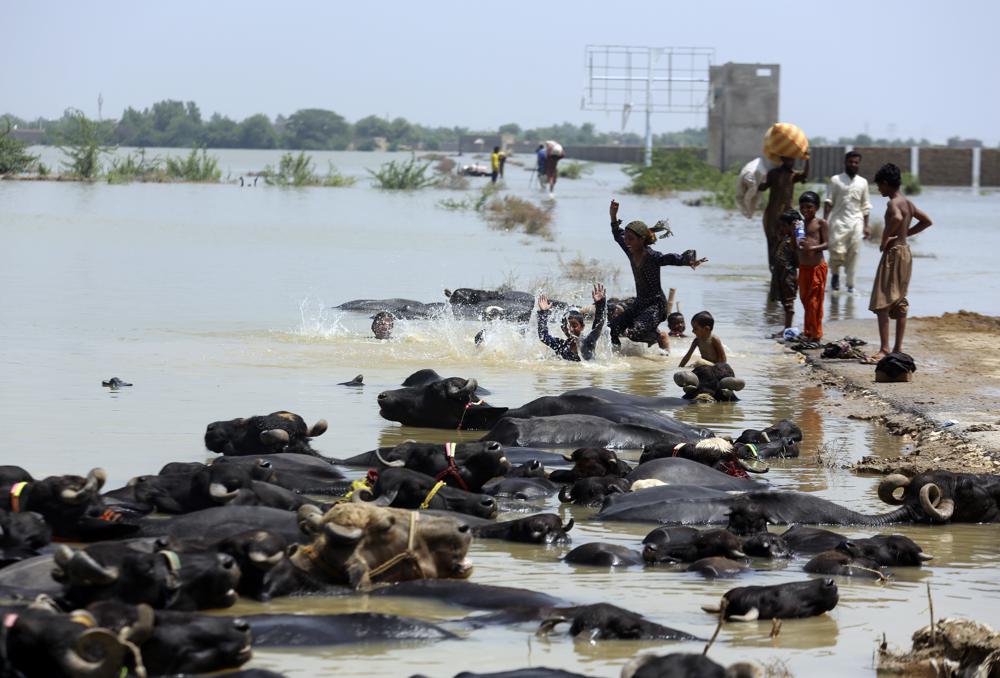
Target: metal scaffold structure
point(648, 80)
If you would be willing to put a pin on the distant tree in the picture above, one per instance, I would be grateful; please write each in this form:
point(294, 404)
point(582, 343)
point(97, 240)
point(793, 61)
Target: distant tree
point(510, 128)
point(257, 132)
point(13, 158)
point(316, 129)
point(370, 127)
point(81, 143)
point(220, 132)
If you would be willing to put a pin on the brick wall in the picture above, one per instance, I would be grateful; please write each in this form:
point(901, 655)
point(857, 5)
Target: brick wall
point(946, 166)
point(873, 158)
point(989, 167)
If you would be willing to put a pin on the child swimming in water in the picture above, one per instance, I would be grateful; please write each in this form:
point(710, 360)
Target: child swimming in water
point(640, 318)
point(572, 348)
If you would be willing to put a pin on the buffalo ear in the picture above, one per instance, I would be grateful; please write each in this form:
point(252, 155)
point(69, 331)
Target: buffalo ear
point(318, 429)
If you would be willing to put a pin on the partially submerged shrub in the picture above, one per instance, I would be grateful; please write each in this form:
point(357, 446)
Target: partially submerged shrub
point(197, 166)
point(508, 213)
point(684, 170)
point(444, 165)
point(911, 184)
point(82, 148)
point(403, 176)
point(135, 167)
point(579, 269)
point(574, 170)
point(13, 158)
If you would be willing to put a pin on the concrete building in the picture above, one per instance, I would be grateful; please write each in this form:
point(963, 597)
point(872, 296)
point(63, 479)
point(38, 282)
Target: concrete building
point(743, 103)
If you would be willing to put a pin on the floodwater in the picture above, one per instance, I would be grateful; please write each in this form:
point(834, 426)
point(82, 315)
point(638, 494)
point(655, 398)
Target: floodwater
point(214, 300)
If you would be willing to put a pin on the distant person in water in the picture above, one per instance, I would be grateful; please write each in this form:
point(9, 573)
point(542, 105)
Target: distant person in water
point(640, 318)
point(495, 164)
point(676, 324)
point(540, 158)
point(553, 154)
point(572, 347)
point(382, 323)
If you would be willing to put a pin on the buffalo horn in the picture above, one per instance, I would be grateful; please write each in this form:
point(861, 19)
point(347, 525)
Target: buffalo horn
point(274, 436)
point(318, 429)
point(470, 386)
point(341, 534)
point(564, 495)
point(93, 483)
point(568, 526)
point(261, 558)
point(310, 519)
point(568, 457)
point(887, 488)
point(548, 624)
point(396, 463)
point(752, 615)
point(142, 629)
point(108, 648)
point(925, 556)
point(935, 506)
point(219, 492)
point(753, 465)
point(715, 608)
point(83, 570)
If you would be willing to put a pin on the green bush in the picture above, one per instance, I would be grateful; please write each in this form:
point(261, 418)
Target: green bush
point(13, 159)
point(684, 170)
point(81, 144)
point(574, 170)
point(335, 179)
point(403, 176)
point(297, 170)
point(197, 166)
point(911, 184)
point(135, 168)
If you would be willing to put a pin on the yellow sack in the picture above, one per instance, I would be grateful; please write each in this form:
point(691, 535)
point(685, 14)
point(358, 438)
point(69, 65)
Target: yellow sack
point(785, 139)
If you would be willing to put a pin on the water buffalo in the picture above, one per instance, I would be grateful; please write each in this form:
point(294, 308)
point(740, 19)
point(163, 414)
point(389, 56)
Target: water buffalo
point(780, 601)
point(162, 579)
point(766, 545)
point(541, 528)
point(21, 535)
point(716, 382)
point(943, 496)
point(686, 545)
point(687, 472)
point(526, 488)
point(603, 555)
point(297, 472)
point(592, 491)
point(401, 308)
point(844, 565)
point(468, 471)
point(603, 621)
point(403, 488)
point(310, 630)
point(276, 432)
point(680, 665)
point(893, 550)
point(469, 594)
point(358, 545)
point(591, 462)
point(385, 457)
point(172, 642)
point(43, 642)
point(781, 429)
point(685, 505)
point(225, 521)
point(718, 453)
point(70, 505)
point(578, 430)
point(717, 567)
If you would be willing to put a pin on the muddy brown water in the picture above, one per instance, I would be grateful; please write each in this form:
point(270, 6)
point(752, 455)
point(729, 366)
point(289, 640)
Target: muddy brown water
point(215, 302)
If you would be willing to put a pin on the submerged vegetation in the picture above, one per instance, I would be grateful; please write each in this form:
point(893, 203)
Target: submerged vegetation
point(574, 170)
point(135, 167)
point(82, 146)
point(911, 184)
point(298, 170)
point(197, 166)
point(397, 175)
point(510, 213)
point(683, 170)
point(13, 157)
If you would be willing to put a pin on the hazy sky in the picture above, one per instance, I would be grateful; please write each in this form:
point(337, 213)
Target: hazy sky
point(921, 68)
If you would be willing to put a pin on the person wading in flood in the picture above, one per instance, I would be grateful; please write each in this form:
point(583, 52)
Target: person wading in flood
point(846, 209)
point(641, 317)
point(892, 279)
point(780, 184)
point(572, 348)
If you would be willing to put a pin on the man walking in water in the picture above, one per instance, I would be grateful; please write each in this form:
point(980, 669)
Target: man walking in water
point(892, 279)
point(780, 183)
point(846, 208)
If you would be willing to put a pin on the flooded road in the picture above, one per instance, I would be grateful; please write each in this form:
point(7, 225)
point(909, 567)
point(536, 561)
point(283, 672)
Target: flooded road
point(215, 301)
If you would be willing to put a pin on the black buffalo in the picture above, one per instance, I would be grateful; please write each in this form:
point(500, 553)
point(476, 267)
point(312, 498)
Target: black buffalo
point(591, 462)
point(671, 471)
point(603, 621)
point(942, 496)
point(686, 545)
point(603, 555)
point(21, 535)
point(592, 491)
point(541, 528)
point(469, 469)
point(276, 432)
point(309, 630)
point(403, 488)
point(681, 665)
point(780, 601)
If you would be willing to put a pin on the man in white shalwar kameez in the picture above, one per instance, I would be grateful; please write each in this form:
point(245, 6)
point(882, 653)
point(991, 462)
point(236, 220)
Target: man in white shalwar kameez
point(846, 209)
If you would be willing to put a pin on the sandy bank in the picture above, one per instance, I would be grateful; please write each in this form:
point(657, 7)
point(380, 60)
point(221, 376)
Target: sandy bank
point(948, 413)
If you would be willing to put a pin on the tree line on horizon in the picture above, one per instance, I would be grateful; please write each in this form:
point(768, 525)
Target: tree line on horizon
point(176, 124)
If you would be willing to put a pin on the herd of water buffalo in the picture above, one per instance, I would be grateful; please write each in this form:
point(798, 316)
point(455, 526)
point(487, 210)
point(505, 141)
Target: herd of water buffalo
point(272, 517)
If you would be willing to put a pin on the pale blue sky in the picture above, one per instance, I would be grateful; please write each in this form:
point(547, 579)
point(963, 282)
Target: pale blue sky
point(921, 68)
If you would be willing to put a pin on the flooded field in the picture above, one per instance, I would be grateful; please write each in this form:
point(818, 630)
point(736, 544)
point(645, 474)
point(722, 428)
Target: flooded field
point(215, 301)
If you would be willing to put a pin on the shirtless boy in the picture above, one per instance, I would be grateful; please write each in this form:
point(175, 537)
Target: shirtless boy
point(812, 267)
point(780, 184)
point(892, 279)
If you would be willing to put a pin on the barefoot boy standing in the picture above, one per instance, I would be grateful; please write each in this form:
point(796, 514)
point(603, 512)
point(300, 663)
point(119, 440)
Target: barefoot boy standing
point(812, 267)
point(892, 278)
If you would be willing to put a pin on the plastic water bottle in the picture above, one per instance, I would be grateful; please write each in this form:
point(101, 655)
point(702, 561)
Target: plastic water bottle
point(800, 230)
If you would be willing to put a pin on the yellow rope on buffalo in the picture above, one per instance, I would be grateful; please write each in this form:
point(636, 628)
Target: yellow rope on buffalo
point(430, 495)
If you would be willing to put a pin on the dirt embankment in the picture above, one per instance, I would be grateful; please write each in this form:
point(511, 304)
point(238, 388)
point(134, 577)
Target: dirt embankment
point(949, 411)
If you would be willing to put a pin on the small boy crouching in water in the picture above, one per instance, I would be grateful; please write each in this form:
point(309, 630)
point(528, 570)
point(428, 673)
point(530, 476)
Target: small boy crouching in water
point(712, 374)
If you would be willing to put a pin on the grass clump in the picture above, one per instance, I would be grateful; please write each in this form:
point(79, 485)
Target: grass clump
point(135, 167)
point(911, 184)
point(13, 158)
point(579, 269)
point(509, 213)
point(684, 170)
point(197, 166)
point(403, 176)
point(298, 170)
point(444, 165)
point(574, 170)
point(82, 147)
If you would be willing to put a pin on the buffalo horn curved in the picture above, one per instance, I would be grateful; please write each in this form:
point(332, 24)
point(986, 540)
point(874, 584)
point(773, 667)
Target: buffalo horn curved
point(396, 463)
point(142, 629)
point(95, 642)
point(753, 614)
point(887, 488)
point(220, 493)
point(564, 495)
point(935, 506)
point(274, 436)
point(93, 483)
point(568, 526)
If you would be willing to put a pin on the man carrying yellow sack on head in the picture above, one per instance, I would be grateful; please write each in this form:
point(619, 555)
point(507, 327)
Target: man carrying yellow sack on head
point(783, 143)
